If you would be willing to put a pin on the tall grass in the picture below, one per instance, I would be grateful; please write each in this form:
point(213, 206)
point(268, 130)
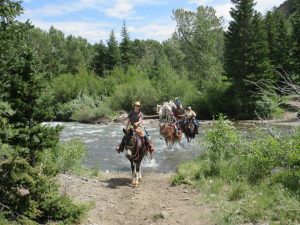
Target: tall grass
point(251, 180)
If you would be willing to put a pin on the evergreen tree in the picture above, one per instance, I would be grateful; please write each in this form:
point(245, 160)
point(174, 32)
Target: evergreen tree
point(238, 39)
point(57, 52)
point(246, 56)
point(278, 40)
point(74, 58)
point(296, 39)
point(99, 60)
point(113, 52)
point(26, 187)
point(125, 47)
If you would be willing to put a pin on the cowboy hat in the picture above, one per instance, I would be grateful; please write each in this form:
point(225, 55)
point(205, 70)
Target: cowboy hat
point(137, 104)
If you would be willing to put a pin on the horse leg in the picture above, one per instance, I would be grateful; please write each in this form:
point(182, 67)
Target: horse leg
point(132, 168)
point(139, 170)
point(134, 181)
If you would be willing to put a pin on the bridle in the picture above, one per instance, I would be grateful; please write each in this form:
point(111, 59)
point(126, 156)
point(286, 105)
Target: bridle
point(132, 147)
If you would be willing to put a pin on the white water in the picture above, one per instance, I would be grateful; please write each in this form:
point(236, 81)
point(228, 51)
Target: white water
point(101, 141)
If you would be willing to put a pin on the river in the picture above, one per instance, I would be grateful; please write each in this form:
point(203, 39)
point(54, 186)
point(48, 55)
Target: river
point(101, 141)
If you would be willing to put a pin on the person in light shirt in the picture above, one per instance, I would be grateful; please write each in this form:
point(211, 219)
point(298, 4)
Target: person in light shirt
point(191, 115)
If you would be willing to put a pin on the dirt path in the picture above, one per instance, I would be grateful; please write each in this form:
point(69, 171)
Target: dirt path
point(153, 202)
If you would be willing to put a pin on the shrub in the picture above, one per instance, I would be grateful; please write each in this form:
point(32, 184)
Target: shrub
point(222, 143)
point(87, 108)
point(138, 90)
point(67, 87)
point(259, 175)
point(266, 106)
point(84, 109)
point(32, 196)
point(237, 191)
point(66, 157)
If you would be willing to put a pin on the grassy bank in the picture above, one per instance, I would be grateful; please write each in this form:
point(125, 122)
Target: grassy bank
point(248, 180)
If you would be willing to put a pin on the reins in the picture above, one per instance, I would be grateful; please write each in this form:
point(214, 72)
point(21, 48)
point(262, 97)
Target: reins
point(137, 153)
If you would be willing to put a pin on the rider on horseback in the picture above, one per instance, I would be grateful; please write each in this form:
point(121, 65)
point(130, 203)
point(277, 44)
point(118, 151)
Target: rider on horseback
point(178, 111)
point(135, 119)
point(190, 115)
point(178, 114)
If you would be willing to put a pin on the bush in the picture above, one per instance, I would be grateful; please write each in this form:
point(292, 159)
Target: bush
point(84, 109)
point(31, 196)
point(222, 143)
point(139, 89)
point(267, 107)
point(260, 175)
point(88, 108)
point(67, 87)
point(66, 157)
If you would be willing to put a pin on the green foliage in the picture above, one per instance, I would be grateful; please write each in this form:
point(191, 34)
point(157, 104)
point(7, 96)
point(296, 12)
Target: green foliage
point(66, 157)
point(125, 48)
point(138, 88)
point(200, 37)
point(59, 53)
point(170, 84)
point(98, 62)
point(268, 106)
point(222, 143)
point(295, 18)
point(87, 109)
point(67, 87)
point(113, 52)
point(32, 196)
point(246, 57)
point(237, 191)
point(28, 194)
point(253, 180)
point(279, 39)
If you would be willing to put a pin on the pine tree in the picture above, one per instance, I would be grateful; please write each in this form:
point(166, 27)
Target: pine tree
point(98, 64)
point(296, 39)
point(125, 47)
point(26, 187)
point(113, 52)
point(278, 40)
point(73, 58)
point(246, 55)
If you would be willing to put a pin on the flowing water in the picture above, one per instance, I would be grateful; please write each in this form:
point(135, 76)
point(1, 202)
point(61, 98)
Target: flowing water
point(101, 141)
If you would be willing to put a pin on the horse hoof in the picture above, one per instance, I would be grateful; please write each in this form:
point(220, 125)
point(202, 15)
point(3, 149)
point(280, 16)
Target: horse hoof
point(140, 178)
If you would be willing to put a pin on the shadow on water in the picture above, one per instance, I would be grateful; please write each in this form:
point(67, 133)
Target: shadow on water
point(114, 183)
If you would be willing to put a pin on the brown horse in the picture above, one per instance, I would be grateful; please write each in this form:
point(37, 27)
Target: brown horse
point(168, 131)
point(135, 150)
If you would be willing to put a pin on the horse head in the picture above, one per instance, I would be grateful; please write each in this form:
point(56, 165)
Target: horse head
point(129, 142)
point(190, 127)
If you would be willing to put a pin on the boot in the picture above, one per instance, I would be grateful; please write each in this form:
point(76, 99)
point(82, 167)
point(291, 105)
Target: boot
point(149, 145)
point(196, 130)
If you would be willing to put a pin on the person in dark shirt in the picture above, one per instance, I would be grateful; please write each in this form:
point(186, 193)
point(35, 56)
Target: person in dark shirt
point(135, 117)
point(135, 120)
